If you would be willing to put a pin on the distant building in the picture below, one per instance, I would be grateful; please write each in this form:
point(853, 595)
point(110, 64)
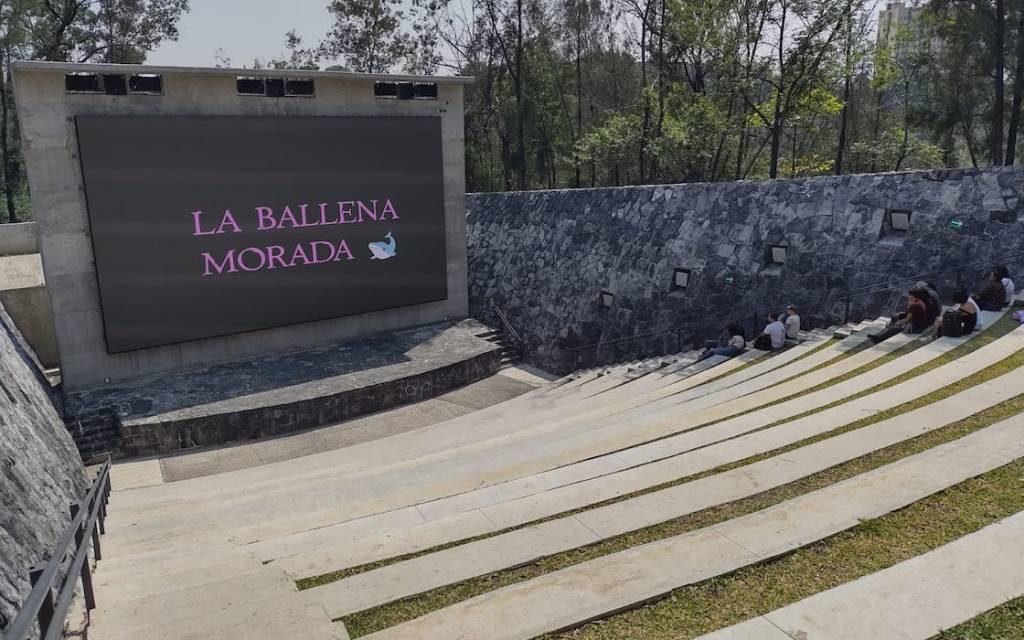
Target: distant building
point(894, 16)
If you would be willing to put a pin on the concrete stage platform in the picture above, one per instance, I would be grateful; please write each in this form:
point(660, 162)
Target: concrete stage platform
point(278, 394)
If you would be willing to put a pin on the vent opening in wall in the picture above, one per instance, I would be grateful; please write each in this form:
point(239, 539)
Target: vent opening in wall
point(777, 254)
point(115, 85)
point(385, 89)
point(607, 299)
point(406, 91)
point(681, 278)
point(425, 90)
point(275, 87)
point(895, 225)
point(147, 83)
point(301, 87)
point(251, 86)
point(82, 83)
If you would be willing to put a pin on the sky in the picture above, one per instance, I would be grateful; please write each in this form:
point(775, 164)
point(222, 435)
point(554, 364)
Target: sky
point(244, 29)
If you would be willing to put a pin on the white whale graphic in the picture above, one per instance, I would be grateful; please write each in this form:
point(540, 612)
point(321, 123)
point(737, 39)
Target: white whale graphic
point(383, 250)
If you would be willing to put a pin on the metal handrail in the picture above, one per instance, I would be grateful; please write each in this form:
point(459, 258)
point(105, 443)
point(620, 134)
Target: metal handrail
point(87, 524)
point(516, 338)
point(848, 296)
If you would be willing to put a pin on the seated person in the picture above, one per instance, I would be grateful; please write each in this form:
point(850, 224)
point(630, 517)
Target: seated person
point(934, 301)
point(914, 320)
point(774, 335)
point(967, 310)
point(1008, 285)
point(792, 322)
point(734, 346)
point(993, 296)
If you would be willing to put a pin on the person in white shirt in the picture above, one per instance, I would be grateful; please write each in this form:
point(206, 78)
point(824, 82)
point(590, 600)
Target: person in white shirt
point(1007, 282)
point(774, 335)
point(792, 322)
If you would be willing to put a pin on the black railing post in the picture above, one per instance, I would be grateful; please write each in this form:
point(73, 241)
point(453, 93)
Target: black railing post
point(86, 575)
point(45, 615)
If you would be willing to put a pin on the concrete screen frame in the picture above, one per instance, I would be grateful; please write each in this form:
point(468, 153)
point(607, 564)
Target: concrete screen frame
point(47, 112)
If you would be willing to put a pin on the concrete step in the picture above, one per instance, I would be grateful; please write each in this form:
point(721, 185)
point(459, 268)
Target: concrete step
point(521, 546)
point(603, 586)
point(914, 600)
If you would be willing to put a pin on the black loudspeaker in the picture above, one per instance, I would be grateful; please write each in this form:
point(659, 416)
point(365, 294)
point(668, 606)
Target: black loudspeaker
point(406, 91)
point(251, 86)
point(298, 87)
point(115, 85)
point(426, 90)
point(82, 83)
point(275, 87)
point(146, 83)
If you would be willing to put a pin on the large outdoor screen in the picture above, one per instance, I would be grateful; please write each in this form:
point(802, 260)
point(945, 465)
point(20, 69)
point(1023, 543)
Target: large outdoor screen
point(207, 226)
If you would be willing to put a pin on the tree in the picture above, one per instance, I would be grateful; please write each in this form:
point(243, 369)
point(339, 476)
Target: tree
point(367, 35)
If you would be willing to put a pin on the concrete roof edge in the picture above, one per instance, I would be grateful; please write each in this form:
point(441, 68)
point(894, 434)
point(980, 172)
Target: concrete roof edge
point(95, 67)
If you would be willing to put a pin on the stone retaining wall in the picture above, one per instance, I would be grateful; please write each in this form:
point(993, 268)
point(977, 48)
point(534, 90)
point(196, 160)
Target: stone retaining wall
point(545, 257)
point(40, 470)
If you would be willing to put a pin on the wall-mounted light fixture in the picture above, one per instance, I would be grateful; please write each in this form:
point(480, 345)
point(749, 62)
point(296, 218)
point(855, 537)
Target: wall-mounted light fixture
point(777, 254)
point(607, 299)
point(681, 278)
point(899, 220)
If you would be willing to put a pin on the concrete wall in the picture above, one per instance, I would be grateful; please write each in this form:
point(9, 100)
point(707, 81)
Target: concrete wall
point(46, 114)
point(544, 257)
point(40, 470)
point(23, 293)
point(18, 238)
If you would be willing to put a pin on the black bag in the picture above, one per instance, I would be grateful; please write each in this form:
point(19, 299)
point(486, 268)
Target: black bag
point(952, 325)
point(763, 343)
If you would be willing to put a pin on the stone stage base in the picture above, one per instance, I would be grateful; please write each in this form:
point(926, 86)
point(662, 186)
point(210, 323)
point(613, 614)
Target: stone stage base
point(280, 393)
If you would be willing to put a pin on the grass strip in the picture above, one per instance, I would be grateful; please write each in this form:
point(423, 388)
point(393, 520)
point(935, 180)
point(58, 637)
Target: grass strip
point(872, 546)
point(390, 614)
point(1003, 367)
point(1005, 622)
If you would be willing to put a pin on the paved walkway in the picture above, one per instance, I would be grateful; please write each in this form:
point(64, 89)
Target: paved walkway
point(913, 600)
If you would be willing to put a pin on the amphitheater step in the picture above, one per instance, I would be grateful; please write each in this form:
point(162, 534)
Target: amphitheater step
point(521, 546)
point(913, 600)
point(600, 587)
point(626, 432)
point(583, 482)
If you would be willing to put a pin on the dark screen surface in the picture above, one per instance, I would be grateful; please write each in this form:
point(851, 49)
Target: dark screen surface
point(207, 226)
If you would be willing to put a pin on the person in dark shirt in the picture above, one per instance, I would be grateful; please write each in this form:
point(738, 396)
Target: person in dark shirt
point(914, 320)
point(932, 301)
point(992, 297)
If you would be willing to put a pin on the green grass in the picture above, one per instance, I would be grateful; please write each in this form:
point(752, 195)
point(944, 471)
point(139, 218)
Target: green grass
point(871, 546)
point(371, 620)
point(1005, 622)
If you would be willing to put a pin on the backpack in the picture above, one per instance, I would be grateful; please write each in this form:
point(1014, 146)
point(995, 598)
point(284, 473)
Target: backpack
point(763, 343)
point(952, 326)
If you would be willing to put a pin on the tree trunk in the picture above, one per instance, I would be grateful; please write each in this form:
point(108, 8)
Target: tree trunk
point(643, 96)
point(579, 94)
point(999, 101)
point(844, 119)
point(521, 134)
point(777, 119)
point(5, 149)
point(1018, 93)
